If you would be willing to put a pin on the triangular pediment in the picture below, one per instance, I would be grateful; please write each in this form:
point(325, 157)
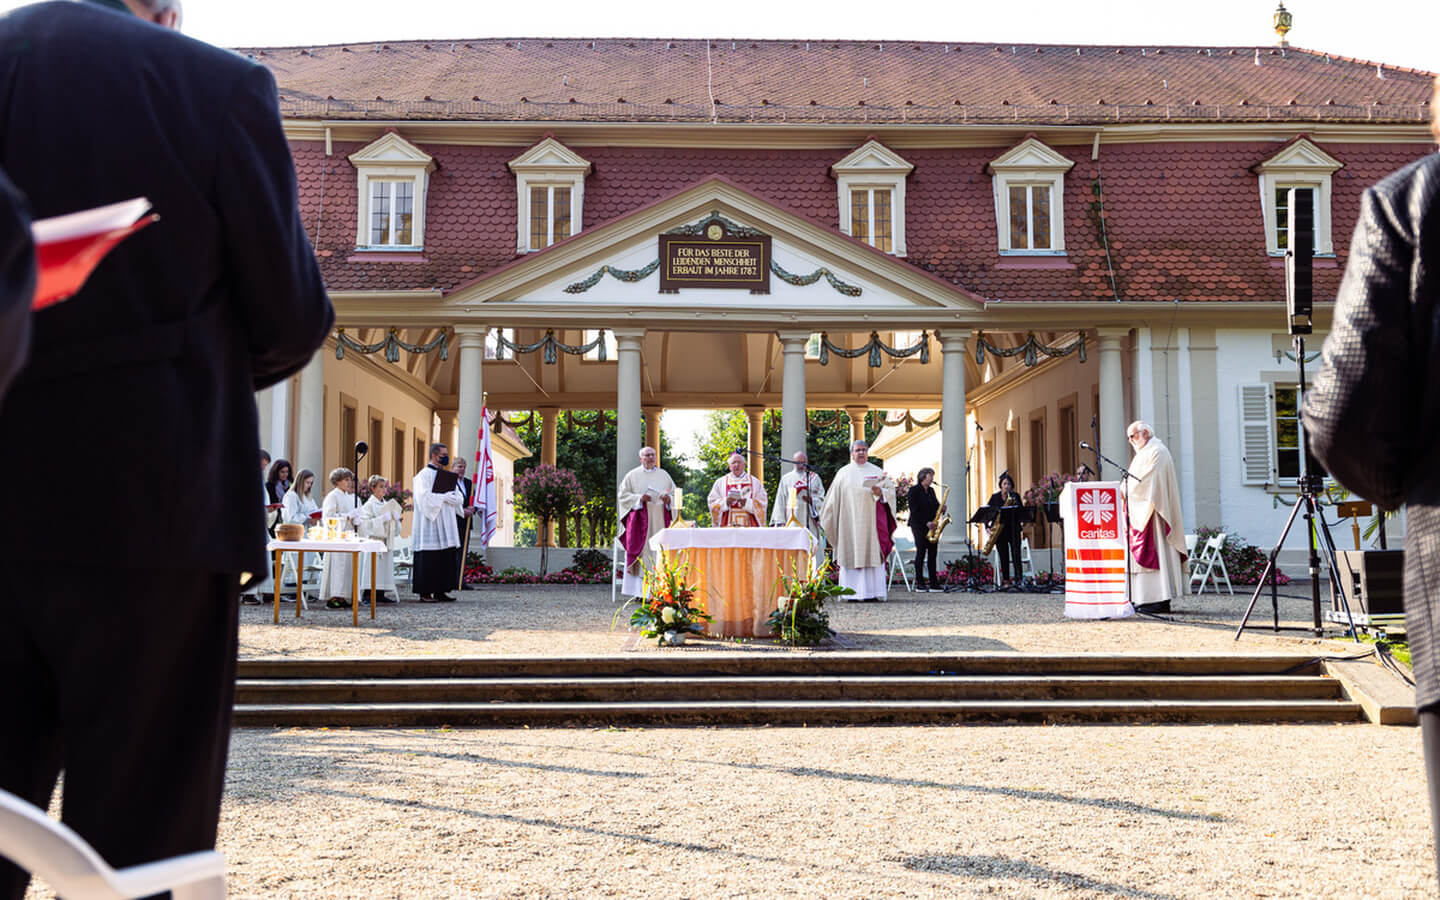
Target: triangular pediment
point(1300, 155)
point(390, 149)
point(816, 270)
point(550, 156)
point(872, 157)
point(1031, 155)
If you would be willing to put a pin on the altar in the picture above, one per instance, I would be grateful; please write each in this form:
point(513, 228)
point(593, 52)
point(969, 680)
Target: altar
point(737, 571)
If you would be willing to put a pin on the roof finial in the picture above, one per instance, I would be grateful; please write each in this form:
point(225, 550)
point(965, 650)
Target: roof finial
point(1283, 21)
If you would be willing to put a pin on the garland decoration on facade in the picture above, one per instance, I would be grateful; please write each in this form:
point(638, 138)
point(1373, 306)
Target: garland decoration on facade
point(552, 347)
point(734, 229)
point(499, 419)
point(848, 290)
point(1030, 349)
point(630, 276)
point(574, 418)
point(836, 418)
point(392, 345)
point(910, 421)
point(1290, 355)
point(874, 347)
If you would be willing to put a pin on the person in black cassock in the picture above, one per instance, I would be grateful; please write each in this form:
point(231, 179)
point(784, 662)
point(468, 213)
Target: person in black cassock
point(1007, 502)
point(924, 509)
point(119, 662)
point(17, 282)
point(434, 535)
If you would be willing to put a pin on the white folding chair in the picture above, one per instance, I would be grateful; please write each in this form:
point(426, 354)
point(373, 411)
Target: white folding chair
point(1027, 568)
point(1204, 569)
point(51, 850)
point(403, 560)
point(903, 545)
point(617, 568)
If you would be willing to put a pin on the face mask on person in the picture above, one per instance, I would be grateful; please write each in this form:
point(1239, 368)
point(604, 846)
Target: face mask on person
point(443, 461)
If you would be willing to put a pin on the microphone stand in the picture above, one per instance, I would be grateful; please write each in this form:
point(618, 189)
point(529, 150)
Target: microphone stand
point(1125, 486)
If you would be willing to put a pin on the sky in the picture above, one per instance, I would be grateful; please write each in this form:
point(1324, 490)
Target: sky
point(1397, 32)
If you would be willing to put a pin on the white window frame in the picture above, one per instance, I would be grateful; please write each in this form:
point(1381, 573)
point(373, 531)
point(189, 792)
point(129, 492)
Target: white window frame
point(548, 164)
point(392, 158)
point(870, 167)
point(1299, 164)
point(391, 244)
point(1028, 164)
point(1259, 434)
point(549, 210)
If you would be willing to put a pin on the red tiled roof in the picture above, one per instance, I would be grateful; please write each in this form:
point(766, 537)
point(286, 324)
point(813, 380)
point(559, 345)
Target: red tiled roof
point(552, 79)
point(1183, 219)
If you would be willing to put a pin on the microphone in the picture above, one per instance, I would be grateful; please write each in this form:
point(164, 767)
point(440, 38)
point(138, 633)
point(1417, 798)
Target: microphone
point(1086, 446)
point(979, 427)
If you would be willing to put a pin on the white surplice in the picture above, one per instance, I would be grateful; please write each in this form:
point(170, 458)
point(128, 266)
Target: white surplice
point(296, 511)
point(379, 519)
point(752, 499)
point(1153, 500)
point(335, 579)
point(435, 527)
point(638, 483)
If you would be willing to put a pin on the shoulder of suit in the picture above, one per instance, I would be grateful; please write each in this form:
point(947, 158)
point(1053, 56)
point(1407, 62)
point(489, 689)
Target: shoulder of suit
point(160, 44)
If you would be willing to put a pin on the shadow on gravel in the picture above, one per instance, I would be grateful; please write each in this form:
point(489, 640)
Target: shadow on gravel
point(1001, 867)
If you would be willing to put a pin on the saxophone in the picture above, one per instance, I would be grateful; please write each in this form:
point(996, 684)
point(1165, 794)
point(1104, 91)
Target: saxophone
point(940, 523)
point(995, 532)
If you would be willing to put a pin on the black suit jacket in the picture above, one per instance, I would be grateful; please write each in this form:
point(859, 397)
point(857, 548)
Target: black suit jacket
point(17, 282)
point(923, 506)
point(150, 370)
point(1373, 414)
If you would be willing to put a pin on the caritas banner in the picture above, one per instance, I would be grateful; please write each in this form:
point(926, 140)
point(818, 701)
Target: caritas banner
point(1094, 551)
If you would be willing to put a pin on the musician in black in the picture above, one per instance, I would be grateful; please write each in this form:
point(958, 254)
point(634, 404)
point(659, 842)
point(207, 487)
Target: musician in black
point(924, 510)
point(1007, 503)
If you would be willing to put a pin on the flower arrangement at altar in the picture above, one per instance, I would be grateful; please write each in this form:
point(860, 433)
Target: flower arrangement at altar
point(548, 493)
point(800, 618)
point(666, 610)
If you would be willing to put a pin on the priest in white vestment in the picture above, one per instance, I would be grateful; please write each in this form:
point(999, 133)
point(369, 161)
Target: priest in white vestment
point(379, 520)
point(859, 519)
point(644, 505)
point(1157, 531)
point(435, 535)
point(342, 504)
point(799, 496)
point(737, 499)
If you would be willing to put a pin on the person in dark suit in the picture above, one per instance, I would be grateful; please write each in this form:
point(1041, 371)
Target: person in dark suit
point(462, 521)
point(1375, 404)
point(1006, 504)
point(924, 509)
point(126, 649)
point(17, 282)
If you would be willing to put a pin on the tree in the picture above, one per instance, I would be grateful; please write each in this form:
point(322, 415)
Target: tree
point(547, 493)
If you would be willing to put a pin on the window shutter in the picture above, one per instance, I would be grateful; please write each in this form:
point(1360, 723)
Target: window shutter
point(1257, 433)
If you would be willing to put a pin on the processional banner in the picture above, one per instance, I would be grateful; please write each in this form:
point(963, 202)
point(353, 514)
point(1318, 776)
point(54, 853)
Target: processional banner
point(1094, 551)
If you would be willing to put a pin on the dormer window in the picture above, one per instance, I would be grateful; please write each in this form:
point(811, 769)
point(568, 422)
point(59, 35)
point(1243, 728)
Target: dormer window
point(393, 176)
point(550, 188)
point(871, 184)
point(1029, 188)
point(1301, 165)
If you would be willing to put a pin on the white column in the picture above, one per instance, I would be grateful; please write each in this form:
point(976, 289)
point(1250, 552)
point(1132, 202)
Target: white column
point(310, 442)
point(471, 389)
point(628, 344)
point(264, 400)
point(1144, 401)
point(1112, 400)
point(953, 346)
point(1186, 416)
point(793, 425)
point(279, 414)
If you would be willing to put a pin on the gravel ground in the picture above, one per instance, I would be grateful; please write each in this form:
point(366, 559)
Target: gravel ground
point(566, 620)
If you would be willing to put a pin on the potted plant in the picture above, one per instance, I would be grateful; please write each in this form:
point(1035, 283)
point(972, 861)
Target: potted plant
point(666, 609)
point(1044, 496)
point(800, 618)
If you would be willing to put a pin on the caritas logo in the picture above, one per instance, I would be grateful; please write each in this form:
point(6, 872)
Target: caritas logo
point(1099, 514)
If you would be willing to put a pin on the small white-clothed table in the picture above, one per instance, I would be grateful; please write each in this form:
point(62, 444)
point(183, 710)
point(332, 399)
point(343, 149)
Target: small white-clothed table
point(737, 571)
point(354, 548)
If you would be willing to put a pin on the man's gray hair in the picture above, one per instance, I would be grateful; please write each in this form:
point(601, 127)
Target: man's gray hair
point(1137, 426)
point(855, 444)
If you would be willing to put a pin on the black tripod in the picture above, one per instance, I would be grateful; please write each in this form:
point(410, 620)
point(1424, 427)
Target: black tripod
point(1311, 483)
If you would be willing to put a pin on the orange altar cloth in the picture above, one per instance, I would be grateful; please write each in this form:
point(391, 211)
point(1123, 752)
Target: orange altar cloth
point(737, 571)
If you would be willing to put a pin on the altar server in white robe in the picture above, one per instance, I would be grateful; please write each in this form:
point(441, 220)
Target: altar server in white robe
point(341, 504)
point(1157, 531)
point(800, 490)
point(435, 535)
point(644, 505)
point(737, 499)
point(297, 508)
point(859, 519)
point(380, 521)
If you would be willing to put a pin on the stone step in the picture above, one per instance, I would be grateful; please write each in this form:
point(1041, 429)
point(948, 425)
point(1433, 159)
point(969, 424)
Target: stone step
point(780, 662)
point(792, 712)
point(701, 689)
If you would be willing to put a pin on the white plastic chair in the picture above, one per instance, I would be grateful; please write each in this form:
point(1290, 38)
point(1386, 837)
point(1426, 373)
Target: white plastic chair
point(902, 546)
point(1027, 568)
point(403, 560)
point(1203, 569)
point(617, 568)
point(40, 845)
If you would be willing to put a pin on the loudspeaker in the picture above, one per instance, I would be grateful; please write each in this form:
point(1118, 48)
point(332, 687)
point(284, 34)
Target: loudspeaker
point(1299, 257)
point(1374, 581)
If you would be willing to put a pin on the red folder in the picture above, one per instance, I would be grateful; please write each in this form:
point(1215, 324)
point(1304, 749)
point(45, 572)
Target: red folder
point(69, 247)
